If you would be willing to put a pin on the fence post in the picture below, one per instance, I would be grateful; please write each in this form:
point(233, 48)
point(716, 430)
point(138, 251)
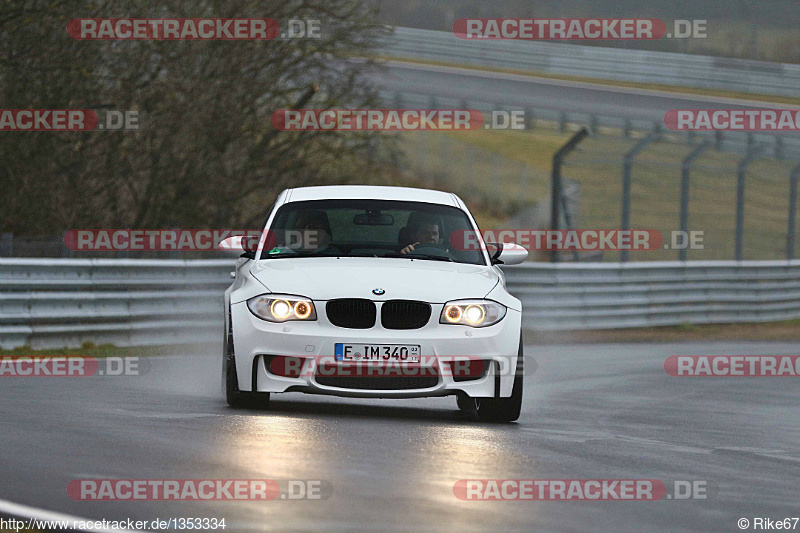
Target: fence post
point(422, 152)
point(740, 172)
point(530, 119)
point(444, 148)
point(790, 234)
point(523, 181)
point(565, 206)
point(65, 250)
point(627, 171)
point(562, 122)
point(686, 166)
point(555, 186)
point(778, 147)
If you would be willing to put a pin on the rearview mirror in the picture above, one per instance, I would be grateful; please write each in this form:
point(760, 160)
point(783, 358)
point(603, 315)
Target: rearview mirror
point(373, 219)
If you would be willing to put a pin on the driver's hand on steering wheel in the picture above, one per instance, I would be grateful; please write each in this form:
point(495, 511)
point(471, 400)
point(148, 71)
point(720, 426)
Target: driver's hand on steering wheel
point(408, 249)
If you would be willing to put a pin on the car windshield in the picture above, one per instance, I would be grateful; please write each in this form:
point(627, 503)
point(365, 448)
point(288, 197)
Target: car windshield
point(371, 228)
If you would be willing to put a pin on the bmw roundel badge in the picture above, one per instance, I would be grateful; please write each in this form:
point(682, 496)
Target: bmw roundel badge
point(378, 292)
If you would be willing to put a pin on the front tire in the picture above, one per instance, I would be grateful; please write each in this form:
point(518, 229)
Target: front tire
point(467, 403)
point(504, 409)
point(236, 398)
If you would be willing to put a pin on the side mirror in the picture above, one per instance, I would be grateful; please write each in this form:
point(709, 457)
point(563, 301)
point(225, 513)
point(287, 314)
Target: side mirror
point(508, 254)
point(239, 245)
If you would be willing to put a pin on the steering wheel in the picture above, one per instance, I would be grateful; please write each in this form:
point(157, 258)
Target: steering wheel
point(430, 248)
point(433, 245)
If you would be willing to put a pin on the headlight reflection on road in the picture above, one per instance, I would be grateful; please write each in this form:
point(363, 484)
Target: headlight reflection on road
point(451, 453)
point(282, 446)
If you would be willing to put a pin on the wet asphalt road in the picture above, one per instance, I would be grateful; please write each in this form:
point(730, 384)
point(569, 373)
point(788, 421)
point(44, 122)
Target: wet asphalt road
point(591, 411)
point(517, 91)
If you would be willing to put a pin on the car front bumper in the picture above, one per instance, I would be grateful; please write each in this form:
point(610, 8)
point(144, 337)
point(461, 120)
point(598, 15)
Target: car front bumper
point(256, 340)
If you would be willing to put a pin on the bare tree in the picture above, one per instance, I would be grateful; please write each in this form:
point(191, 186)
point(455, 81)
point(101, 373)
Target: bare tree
point(205, 154)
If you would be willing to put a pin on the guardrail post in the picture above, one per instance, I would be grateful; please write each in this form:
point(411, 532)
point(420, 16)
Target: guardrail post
point(740, 173)
point(627, 171)
point(6, 244)
point(556, 186)
point(790, 233)
point(686, 166)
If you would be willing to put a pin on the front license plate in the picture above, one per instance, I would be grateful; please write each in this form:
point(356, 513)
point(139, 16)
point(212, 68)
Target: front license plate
point(408, 353)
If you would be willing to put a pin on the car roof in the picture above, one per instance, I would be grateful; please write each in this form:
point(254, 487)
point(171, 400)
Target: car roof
point(374, 192)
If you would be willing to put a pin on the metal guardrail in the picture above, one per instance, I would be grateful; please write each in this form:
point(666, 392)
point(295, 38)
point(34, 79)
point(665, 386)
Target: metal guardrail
point(127, 302)
point(50, 303)
point(599, 62)
point(628, 295)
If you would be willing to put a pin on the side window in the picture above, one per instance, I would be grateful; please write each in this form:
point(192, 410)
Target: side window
point(455, 227)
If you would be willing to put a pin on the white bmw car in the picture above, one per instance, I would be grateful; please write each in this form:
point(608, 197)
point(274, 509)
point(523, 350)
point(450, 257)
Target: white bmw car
point(373, 292)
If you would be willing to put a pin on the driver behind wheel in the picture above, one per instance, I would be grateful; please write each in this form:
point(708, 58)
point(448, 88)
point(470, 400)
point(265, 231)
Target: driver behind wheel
point(424, 231)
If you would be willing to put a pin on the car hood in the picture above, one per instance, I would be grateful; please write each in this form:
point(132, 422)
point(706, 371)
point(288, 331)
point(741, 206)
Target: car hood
point(324, 278)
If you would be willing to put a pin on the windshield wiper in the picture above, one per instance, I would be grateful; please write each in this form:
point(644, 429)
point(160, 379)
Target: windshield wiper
point(419, 256)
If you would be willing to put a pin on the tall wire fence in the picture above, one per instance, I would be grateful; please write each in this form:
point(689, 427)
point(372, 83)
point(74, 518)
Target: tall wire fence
point(744, 213)
point(742, 181)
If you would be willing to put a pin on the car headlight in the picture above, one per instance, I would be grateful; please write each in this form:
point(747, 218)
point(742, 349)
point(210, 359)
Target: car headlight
point(474, 313)
point(279, 308)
